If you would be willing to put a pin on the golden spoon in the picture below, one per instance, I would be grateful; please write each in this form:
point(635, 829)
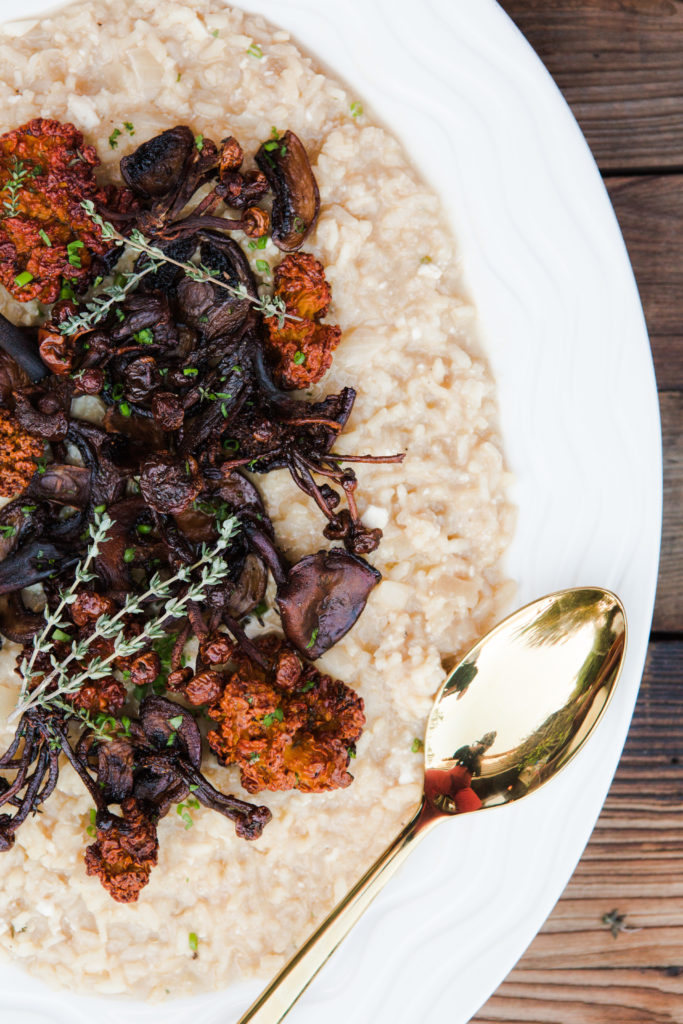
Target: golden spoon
point(513, 712)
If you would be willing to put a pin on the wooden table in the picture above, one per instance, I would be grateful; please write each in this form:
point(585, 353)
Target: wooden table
point(619, 64)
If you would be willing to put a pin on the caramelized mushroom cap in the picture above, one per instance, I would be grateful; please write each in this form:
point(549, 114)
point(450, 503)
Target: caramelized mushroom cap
point(35, 562)
point(158, 718)
point(322, 597)
point(63, 484)
point(156, 166)
point(115, 763)
point(296, 199)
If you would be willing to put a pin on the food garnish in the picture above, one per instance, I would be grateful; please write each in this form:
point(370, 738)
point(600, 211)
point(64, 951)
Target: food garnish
point(46, 171)
point(138, 527)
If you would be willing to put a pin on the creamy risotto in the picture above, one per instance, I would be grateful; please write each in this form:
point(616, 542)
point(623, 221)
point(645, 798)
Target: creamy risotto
point(409, 347)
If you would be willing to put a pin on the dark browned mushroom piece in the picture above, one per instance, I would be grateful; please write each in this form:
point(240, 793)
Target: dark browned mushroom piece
point(110, 565)
point(63, 484)
point(167, 724)
point(37, 561)
point(23, 349)
point(17, 623)
point(207, 307)
point(49, 426)
point(157, 165)
point(296, 199)
point(168, 486)
point(322, 597)
point(115, 765)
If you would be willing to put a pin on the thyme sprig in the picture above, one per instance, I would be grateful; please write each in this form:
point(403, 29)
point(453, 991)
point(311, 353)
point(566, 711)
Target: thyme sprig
point(268, 305)
point(60, 683)
point(97, 530)
point(14, 184)
point(98, 307)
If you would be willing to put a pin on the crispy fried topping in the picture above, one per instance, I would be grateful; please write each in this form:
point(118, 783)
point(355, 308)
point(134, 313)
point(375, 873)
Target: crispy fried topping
point(124, 853)
point(300, 281)
point(288, 727)
point(19, 453)
point(301, 349)
point(45, 236)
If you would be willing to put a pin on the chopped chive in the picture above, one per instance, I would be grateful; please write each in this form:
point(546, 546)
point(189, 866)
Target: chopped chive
point(23, 279)
point(144, 528)
point(263, 266)
point(356, 110)
point(199, 142)
point(176, 722)
point(129, 554)
point(314, 637)
point(46, 238)
point(190, 371)
point(124, 409)
point(417, 746)
point(59, 634)
point(144, 337)
point(8, 531)
point(299, 358)
point(255, 51)
point(193, 941)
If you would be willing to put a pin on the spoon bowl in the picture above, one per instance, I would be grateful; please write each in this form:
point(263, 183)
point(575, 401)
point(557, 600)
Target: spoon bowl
point(512, 713)
point(523, 701)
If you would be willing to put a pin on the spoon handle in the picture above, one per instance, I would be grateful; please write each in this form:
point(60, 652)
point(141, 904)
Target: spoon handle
point(279, 997)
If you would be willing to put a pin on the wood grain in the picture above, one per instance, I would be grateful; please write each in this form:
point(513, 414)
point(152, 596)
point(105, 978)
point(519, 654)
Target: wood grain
point(575, 971)
point(650, 214)
point(620, 66)
point(618, 62)
point(669, 603)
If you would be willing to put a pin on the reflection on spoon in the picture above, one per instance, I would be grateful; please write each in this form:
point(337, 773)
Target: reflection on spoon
point(509, 717)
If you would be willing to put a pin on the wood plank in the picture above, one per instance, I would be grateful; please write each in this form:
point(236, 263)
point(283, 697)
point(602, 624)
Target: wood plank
point(575, 971)
point(650, 214)
point(618, 62)
point(669, 603)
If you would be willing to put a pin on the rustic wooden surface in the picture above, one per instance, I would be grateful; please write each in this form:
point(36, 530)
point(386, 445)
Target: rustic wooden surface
point(620, 66)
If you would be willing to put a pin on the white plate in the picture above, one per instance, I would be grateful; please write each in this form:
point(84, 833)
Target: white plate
point(565, 335)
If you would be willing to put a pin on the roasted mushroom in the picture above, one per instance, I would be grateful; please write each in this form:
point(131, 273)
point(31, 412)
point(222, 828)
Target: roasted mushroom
point(296, 199)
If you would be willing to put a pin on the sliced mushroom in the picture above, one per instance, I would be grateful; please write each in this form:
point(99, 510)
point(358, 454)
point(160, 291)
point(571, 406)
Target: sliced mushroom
point(63, 484)
point(168, 486)
point(115, 763)
point(17, 623)
point(109, 564)
point(156, 166)
point(250, 588)
point(167, 724)
point(33, 563)
point(296, 199)
point(50, 426)
point(322, 597)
